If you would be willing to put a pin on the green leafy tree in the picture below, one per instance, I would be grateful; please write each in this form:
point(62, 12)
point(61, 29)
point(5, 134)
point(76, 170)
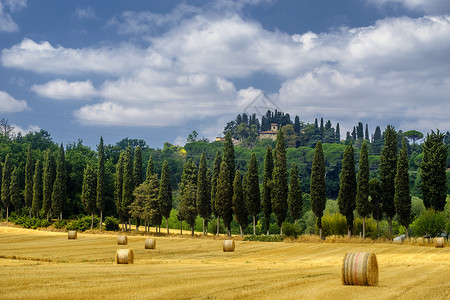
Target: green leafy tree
point(100, 201)
point(239, 208)
point(347, 188)
point(14, 190)
point(413, 135)
point(146, 204)
point(165, 193)
point(363, 206)
point(317, 187)
point(280, 189)
point(295, 199)
point(37, 189)
point(433, 171)
point(47, 182)
point(252, 195)
point(188, 194)
point(388, 167)
point(6, 182)
point(118, 188)
point(28, 191)
point(224, 197)
point(375, 199)
point(89, 192)
point(402, 198)
point(59, 193)
point(266, 188)
point(203, 194)
point(128, 184)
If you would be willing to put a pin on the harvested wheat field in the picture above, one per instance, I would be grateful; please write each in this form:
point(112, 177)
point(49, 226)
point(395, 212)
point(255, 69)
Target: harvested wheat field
point(47, 265)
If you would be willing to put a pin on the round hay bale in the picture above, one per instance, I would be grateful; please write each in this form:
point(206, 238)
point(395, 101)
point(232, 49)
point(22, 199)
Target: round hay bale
point(124, 256)
point(439, 242)
point(150, 243)
point(122, 240)
point(72, 235)
point(360, 268)
point(228, 246)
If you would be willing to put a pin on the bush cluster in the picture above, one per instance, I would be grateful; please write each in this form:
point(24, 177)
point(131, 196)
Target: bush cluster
point(30, 223)
point(264, 238)
point(83, 223)
point(111, 224)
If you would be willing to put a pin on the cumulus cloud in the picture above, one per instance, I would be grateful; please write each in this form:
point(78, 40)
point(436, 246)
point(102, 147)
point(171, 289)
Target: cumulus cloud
point(61, 89)
point(7, 24)
point(9, 104)
point(85, 13)
point(23, 131)
point(426, 6)
point(44, 58)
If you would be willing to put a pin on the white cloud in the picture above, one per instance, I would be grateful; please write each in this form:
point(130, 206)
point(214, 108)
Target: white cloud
point(9, 104)
point(61, 89)
point(7, 24)
point(44, 58)
point(15, 5)
point(85, 13)
point(427, 6)
point(24, 131)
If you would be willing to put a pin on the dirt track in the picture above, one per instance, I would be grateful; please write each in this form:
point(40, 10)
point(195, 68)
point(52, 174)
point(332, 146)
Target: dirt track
point(38, 265)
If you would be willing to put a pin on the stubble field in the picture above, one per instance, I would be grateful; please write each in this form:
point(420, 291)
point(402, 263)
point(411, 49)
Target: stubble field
point(46, 265)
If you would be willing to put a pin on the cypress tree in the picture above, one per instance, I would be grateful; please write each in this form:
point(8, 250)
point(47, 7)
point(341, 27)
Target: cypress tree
point(295, 199)
point(402, 197)
point(224, 197)
point(28, 191)
point(100, 197)
point(6, 182)
point(89, 192)
point(375, 199)
point(252, 196)
point(229, 158)
point(434, 182)
point(347, 188)
point(188, 194)
point(14, 190)
point(280, 189)
point(128, 184)
point(150, 168)
point(266, 188)
point(388, 167)
point(338, 133)
point(137, 167)
point(165, 193)
point(118, 188)
point(209, 181)
point(59, 193)
point(215, 177)
point(362, 195)
point(239, 208)
point(203, 194)
point(317, 187)
point(152, 207)
point(47, 183)
point(37, 189)
point(366, 134)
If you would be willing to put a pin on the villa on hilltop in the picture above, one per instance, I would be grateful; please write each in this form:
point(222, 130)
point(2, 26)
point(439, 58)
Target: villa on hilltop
point(270, 134)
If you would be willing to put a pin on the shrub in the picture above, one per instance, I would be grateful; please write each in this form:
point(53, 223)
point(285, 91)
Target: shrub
point(291, 230)
point(264, 238)
point(371, 227)
point(334, 224)
point(83, 224)
point(60, 224)
point(430, 223)
point(30, 223)
point(111, 224)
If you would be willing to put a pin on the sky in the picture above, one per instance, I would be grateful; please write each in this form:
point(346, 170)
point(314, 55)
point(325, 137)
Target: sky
point(158, 70)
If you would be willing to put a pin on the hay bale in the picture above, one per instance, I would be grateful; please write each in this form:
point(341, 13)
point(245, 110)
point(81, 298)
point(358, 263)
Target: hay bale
point(72, 235)
point(124, 256)
point(228, 246)
point(122, 240)
point(150, 243)
point(360, 268)
point(439, 242)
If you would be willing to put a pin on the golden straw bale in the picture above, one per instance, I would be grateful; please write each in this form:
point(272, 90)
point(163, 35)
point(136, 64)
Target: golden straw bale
point(360, 268)
point(72, 235)
point(124, 256)
point(150, 243)
point(439, 242)
point(122, 240)
point(228, 246)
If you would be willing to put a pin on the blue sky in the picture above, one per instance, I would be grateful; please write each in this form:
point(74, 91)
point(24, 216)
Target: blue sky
point(157, 70)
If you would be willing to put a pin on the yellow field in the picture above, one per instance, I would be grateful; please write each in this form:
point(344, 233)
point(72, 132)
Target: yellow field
point(47, 265)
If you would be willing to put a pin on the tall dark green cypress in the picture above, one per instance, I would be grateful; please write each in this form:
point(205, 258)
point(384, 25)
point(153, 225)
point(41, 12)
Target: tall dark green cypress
point(37, 189)
point(375, 199)
point(224, 197)
point(388, 167)
point(266, 188)
point(118, 188)
point(362, 195)
point(28, 191)
point(402, 197)
point(252, 194)
point(89, 192)
point(214, 178)
point(280, 189)
point(347, 188)
point(47, 183)
point(14, 190)
point(152, 207)
point(165, 193)
point(317, 187)
point(128, 184)
point(239, 209)
point(150, 168)
point(59, 193)
point(6, 182)
point(295, 199)
point(434, 182)
point(137, 167)
point(229, 157)
point(188, 194)
point(100, 197)
point(203, 194)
